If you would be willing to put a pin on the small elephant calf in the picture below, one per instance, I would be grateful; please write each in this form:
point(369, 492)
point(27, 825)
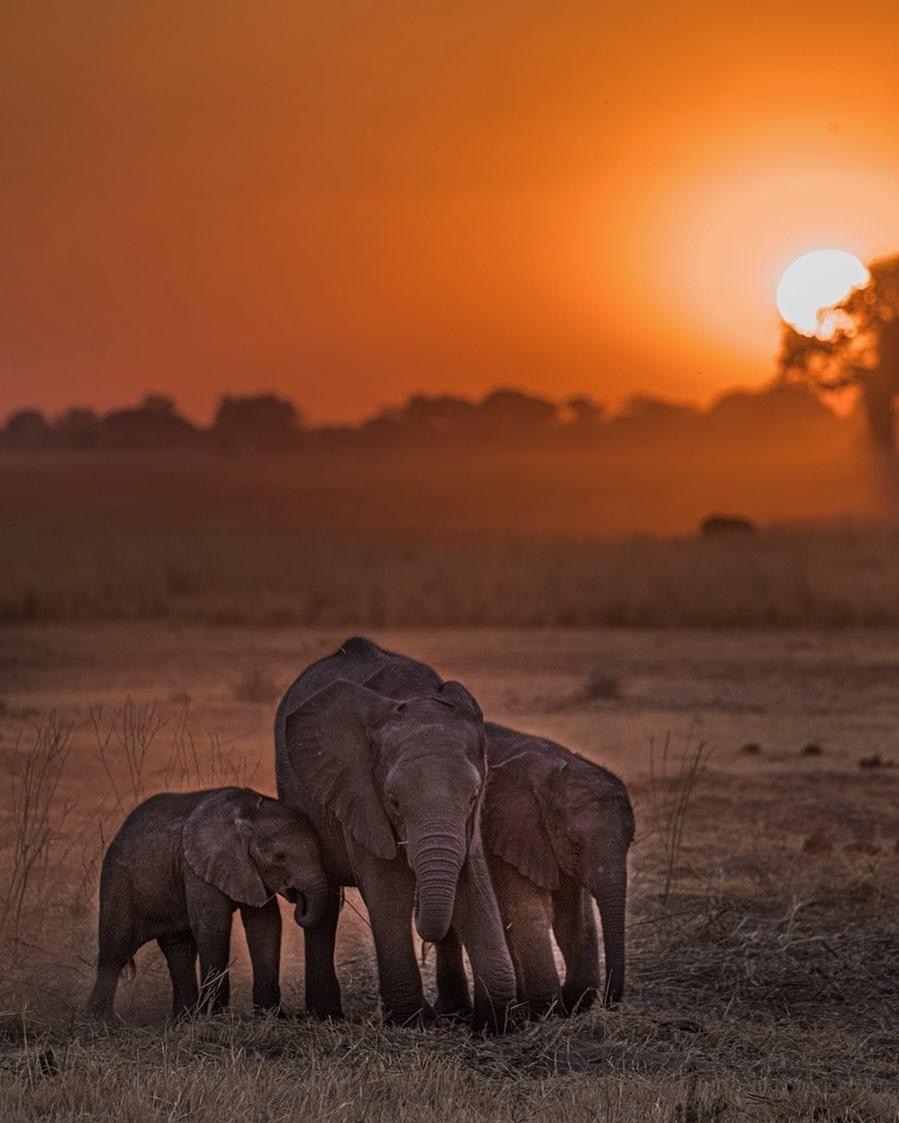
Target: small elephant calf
point(177, 870)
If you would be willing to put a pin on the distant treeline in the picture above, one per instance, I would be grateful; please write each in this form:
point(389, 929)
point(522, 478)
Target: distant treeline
point(504, 418)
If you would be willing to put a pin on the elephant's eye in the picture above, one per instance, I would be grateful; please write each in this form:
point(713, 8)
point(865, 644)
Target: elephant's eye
point(280, 856)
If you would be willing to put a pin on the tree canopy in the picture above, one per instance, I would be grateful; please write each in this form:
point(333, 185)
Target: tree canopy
point(858, 346)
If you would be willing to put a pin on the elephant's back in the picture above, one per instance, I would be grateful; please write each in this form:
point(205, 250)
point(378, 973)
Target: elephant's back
point(504, 743)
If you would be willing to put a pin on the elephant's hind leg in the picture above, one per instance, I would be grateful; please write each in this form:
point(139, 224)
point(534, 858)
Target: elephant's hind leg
point(116, 942)
point(100, 1005)
point(180, 953)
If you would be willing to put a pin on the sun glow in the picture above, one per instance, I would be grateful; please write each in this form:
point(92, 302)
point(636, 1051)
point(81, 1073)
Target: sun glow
point(814, 283)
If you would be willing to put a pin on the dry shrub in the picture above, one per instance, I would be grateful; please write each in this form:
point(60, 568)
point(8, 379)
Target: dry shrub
point(33, 778)
point(123, 745)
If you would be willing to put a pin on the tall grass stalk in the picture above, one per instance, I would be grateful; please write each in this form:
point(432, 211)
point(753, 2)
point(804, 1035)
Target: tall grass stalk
point(673, 779)
point(37, 818)
point(123, 746)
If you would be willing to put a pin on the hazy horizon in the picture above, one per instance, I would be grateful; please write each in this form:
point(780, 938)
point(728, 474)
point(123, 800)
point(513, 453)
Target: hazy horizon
point(345, 206)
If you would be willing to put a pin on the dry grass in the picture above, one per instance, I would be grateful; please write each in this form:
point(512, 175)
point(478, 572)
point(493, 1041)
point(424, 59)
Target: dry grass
point(473, 538)
point(762, 985)
point(278, 578)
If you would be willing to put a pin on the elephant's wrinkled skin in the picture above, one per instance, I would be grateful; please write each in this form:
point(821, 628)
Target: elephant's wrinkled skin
point(179, 866)
point(387, 762)
point(557, 829)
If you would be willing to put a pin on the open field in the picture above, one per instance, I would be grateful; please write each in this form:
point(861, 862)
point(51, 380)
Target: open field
point(764, 952)
point(449, 539)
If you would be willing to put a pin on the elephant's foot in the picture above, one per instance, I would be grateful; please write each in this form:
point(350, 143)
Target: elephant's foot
point(103, 1015)
point(454, 1007)
point(325, 1011)
point(262, 1010)
point(540, 1007)
point(323, 1000)
point(578, 998)
point(412, 1019)
point(494, 1019)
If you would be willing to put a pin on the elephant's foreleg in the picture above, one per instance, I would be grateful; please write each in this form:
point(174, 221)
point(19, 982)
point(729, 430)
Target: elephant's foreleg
point(322, 987)
point(574, 924)
point(263, 929)
point(180, 953)
point(479, 925)
point(388, 889)
point(210, 922)
point(453, 1000)
point(526, 912)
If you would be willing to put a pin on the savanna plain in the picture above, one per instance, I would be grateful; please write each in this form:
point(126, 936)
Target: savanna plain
point(746, 689)
point(764, 911)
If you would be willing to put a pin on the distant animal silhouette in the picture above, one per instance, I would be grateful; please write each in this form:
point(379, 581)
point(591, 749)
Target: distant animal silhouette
point(717, 525)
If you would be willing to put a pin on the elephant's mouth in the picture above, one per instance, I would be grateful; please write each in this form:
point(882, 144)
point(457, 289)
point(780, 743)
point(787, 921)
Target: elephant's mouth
point(289, 895)
point(301, 912)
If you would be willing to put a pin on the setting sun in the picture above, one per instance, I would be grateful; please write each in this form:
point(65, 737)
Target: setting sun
point(815, 282)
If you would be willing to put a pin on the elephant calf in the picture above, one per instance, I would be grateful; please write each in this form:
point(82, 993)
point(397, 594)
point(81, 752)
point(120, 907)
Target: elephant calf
point(557, 829)
point(176, 871)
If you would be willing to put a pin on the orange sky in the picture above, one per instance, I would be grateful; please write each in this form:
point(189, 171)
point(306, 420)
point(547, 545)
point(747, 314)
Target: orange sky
point(347, 202)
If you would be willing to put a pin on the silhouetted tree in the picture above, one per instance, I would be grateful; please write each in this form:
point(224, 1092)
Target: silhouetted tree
point(260, 423)
point(78, 428)
point(28, 429)
point(510, 414)
point(154, 424)
point(777, 410)
point(443, 413)
point(860, 350)
point(584, 414)
point(648, 418)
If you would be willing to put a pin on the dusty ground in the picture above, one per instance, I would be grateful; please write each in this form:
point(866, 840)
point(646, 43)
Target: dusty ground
point(763, 987)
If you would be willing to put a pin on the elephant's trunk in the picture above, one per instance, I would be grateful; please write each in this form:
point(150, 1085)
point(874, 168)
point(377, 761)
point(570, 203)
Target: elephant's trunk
point(609, 887)
point(436, 854)
point(311, 903)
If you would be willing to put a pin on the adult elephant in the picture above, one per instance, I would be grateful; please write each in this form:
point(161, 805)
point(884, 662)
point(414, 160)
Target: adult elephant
point(388, 763)
point(557, 829)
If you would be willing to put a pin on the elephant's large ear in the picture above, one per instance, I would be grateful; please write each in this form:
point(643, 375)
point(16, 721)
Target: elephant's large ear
point(329, 749)
point(512, 823)
point(456, 694)
point(216, 844)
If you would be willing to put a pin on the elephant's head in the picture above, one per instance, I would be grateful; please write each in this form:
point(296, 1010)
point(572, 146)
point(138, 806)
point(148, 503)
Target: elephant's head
point(397, 774)
point(550, 816)
point(251, 847)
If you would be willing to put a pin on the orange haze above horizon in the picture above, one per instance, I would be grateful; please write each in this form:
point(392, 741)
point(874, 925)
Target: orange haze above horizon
point(348, 203)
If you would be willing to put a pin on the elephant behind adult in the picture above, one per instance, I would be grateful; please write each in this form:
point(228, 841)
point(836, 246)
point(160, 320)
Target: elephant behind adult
point(557, 830)
point(387, 760)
